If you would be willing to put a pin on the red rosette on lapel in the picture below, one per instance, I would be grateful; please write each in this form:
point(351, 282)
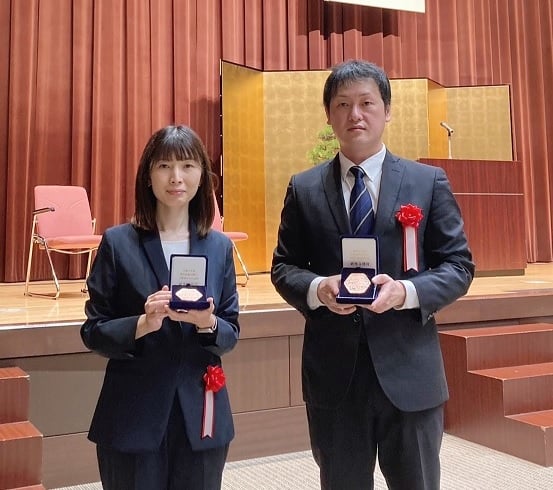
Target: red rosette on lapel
point(410, 217)
point(214, 379)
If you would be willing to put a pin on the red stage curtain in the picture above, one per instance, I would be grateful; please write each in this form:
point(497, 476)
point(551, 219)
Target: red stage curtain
point(83, 84)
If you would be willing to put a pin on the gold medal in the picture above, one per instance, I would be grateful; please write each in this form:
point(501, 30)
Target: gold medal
point(188, 294)
point(357, 283)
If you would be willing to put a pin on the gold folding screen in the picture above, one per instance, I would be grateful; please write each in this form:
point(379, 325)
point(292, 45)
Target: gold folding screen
point(243, 163)
point(271, 120)
point(407, 132)
point(481, 117)
point(294, 114)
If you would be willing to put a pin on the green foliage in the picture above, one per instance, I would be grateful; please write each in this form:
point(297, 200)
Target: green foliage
point(327, 146)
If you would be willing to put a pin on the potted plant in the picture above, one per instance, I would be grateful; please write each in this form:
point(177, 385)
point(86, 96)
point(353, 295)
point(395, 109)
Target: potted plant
point(327, 146)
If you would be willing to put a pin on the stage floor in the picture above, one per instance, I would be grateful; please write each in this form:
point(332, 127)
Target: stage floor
point(16, 309)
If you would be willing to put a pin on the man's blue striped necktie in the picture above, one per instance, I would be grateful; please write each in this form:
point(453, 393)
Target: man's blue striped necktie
point(361, 212)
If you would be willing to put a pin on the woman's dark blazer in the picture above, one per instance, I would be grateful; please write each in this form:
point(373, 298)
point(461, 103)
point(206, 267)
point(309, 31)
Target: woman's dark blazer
point(144, 376)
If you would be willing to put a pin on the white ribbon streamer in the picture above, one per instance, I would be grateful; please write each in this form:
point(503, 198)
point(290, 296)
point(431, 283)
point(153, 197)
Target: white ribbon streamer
point(209, 417)
point(410, 251)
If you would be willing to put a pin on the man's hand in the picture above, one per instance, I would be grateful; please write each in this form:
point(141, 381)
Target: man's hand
point(390, 294)
point(327, 291)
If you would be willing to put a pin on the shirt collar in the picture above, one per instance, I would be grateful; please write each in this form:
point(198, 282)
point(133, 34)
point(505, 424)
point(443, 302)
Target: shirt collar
point(372, 165)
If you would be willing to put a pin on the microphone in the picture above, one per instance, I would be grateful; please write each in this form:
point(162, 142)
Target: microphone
point(447, 127)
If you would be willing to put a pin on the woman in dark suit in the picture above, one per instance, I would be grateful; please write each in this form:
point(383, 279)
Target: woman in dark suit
point(150, 426)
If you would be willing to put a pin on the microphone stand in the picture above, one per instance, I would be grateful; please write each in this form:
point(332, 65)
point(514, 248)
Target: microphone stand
point(449, 143)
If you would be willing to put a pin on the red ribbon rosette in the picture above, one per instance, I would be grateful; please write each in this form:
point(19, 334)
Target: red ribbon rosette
point(410, 217)
point(214, 379)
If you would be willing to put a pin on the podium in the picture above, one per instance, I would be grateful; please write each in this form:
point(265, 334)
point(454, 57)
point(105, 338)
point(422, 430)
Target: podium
point(490, 195)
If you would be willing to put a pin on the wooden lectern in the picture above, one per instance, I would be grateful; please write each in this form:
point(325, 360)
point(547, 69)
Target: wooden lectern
point(491, 199)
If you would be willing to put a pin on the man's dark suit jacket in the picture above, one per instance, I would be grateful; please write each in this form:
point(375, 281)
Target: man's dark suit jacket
point(143, 376)
point(403, 344)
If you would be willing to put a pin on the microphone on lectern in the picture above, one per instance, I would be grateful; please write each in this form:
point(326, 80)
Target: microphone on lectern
point(447, 127)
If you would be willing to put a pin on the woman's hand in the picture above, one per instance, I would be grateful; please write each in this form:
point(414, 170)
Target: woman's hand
point(201, 318)
point(156, 309)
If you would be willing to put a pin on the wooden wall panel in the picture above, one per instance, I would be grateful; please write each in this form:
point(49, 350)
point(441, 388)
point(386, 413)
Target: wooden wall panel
point(64, 391)
point(495, 236)
point(268, 432)
point(490, 196)
point(296, 346)
point(69, 460)
point(481, 176)
point(258, 374)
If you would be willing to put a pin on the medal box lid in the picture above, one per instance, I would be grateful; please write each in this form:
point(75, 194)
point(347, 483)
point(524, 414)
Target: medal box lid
point(359, 266)
point(187, 279)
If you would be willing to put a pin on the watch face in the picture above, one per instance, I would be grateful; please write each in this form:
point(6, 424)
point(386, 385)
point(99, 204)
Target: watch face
point(205, 330)
point(188, 294)
point(357, 283)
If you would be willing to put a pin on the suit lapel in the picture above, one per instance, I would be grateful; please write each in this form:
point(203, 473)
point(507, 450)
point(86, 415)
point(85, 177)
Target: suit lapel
point(154, 253)
point(390, 184)
point(332, 185)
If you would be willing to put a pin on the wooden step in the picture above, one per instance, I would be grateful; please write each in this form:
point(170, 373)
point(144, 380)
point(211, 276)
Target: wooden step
point(492, 347)
point(32, 487)
point(526, 388)
point(14, 395)
point(20, 455)
point(533, 433)
point(542, 419)
point(500, 384)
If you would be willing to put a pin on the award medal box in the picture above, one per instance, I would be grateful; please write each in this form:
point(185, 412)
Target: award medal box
point(359, 266)
point(187, 277)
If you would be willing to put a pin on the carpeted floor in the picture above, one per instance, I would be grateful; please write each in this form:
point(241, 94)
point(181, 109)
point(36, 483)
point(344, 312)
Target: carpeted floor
point(465, 466)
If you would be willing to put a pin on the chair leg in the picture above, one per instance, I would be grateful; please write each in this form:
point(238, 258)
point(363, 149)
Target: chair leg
point(54, 277)
point(88, 265)
point(32, 245)
point(29, 262)
point(241, 263)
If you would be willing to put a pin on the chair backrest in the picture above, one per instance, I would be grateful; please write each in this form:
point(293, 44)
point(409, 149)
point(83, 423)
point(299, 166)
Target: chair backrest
point(72, 216)
point(217, 220)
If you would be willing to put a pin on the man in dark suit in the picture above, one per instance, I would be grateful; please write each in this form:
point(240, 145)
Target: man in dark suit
point(373, 376)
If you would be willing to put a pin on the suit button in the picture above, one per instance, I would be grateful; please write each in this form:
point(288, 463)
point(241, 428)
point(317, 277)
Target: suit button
point(356, 318)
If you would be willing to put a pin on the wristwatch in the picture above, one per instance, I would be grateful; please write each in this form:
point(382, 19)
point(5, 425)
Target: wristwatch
point(211, 329)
